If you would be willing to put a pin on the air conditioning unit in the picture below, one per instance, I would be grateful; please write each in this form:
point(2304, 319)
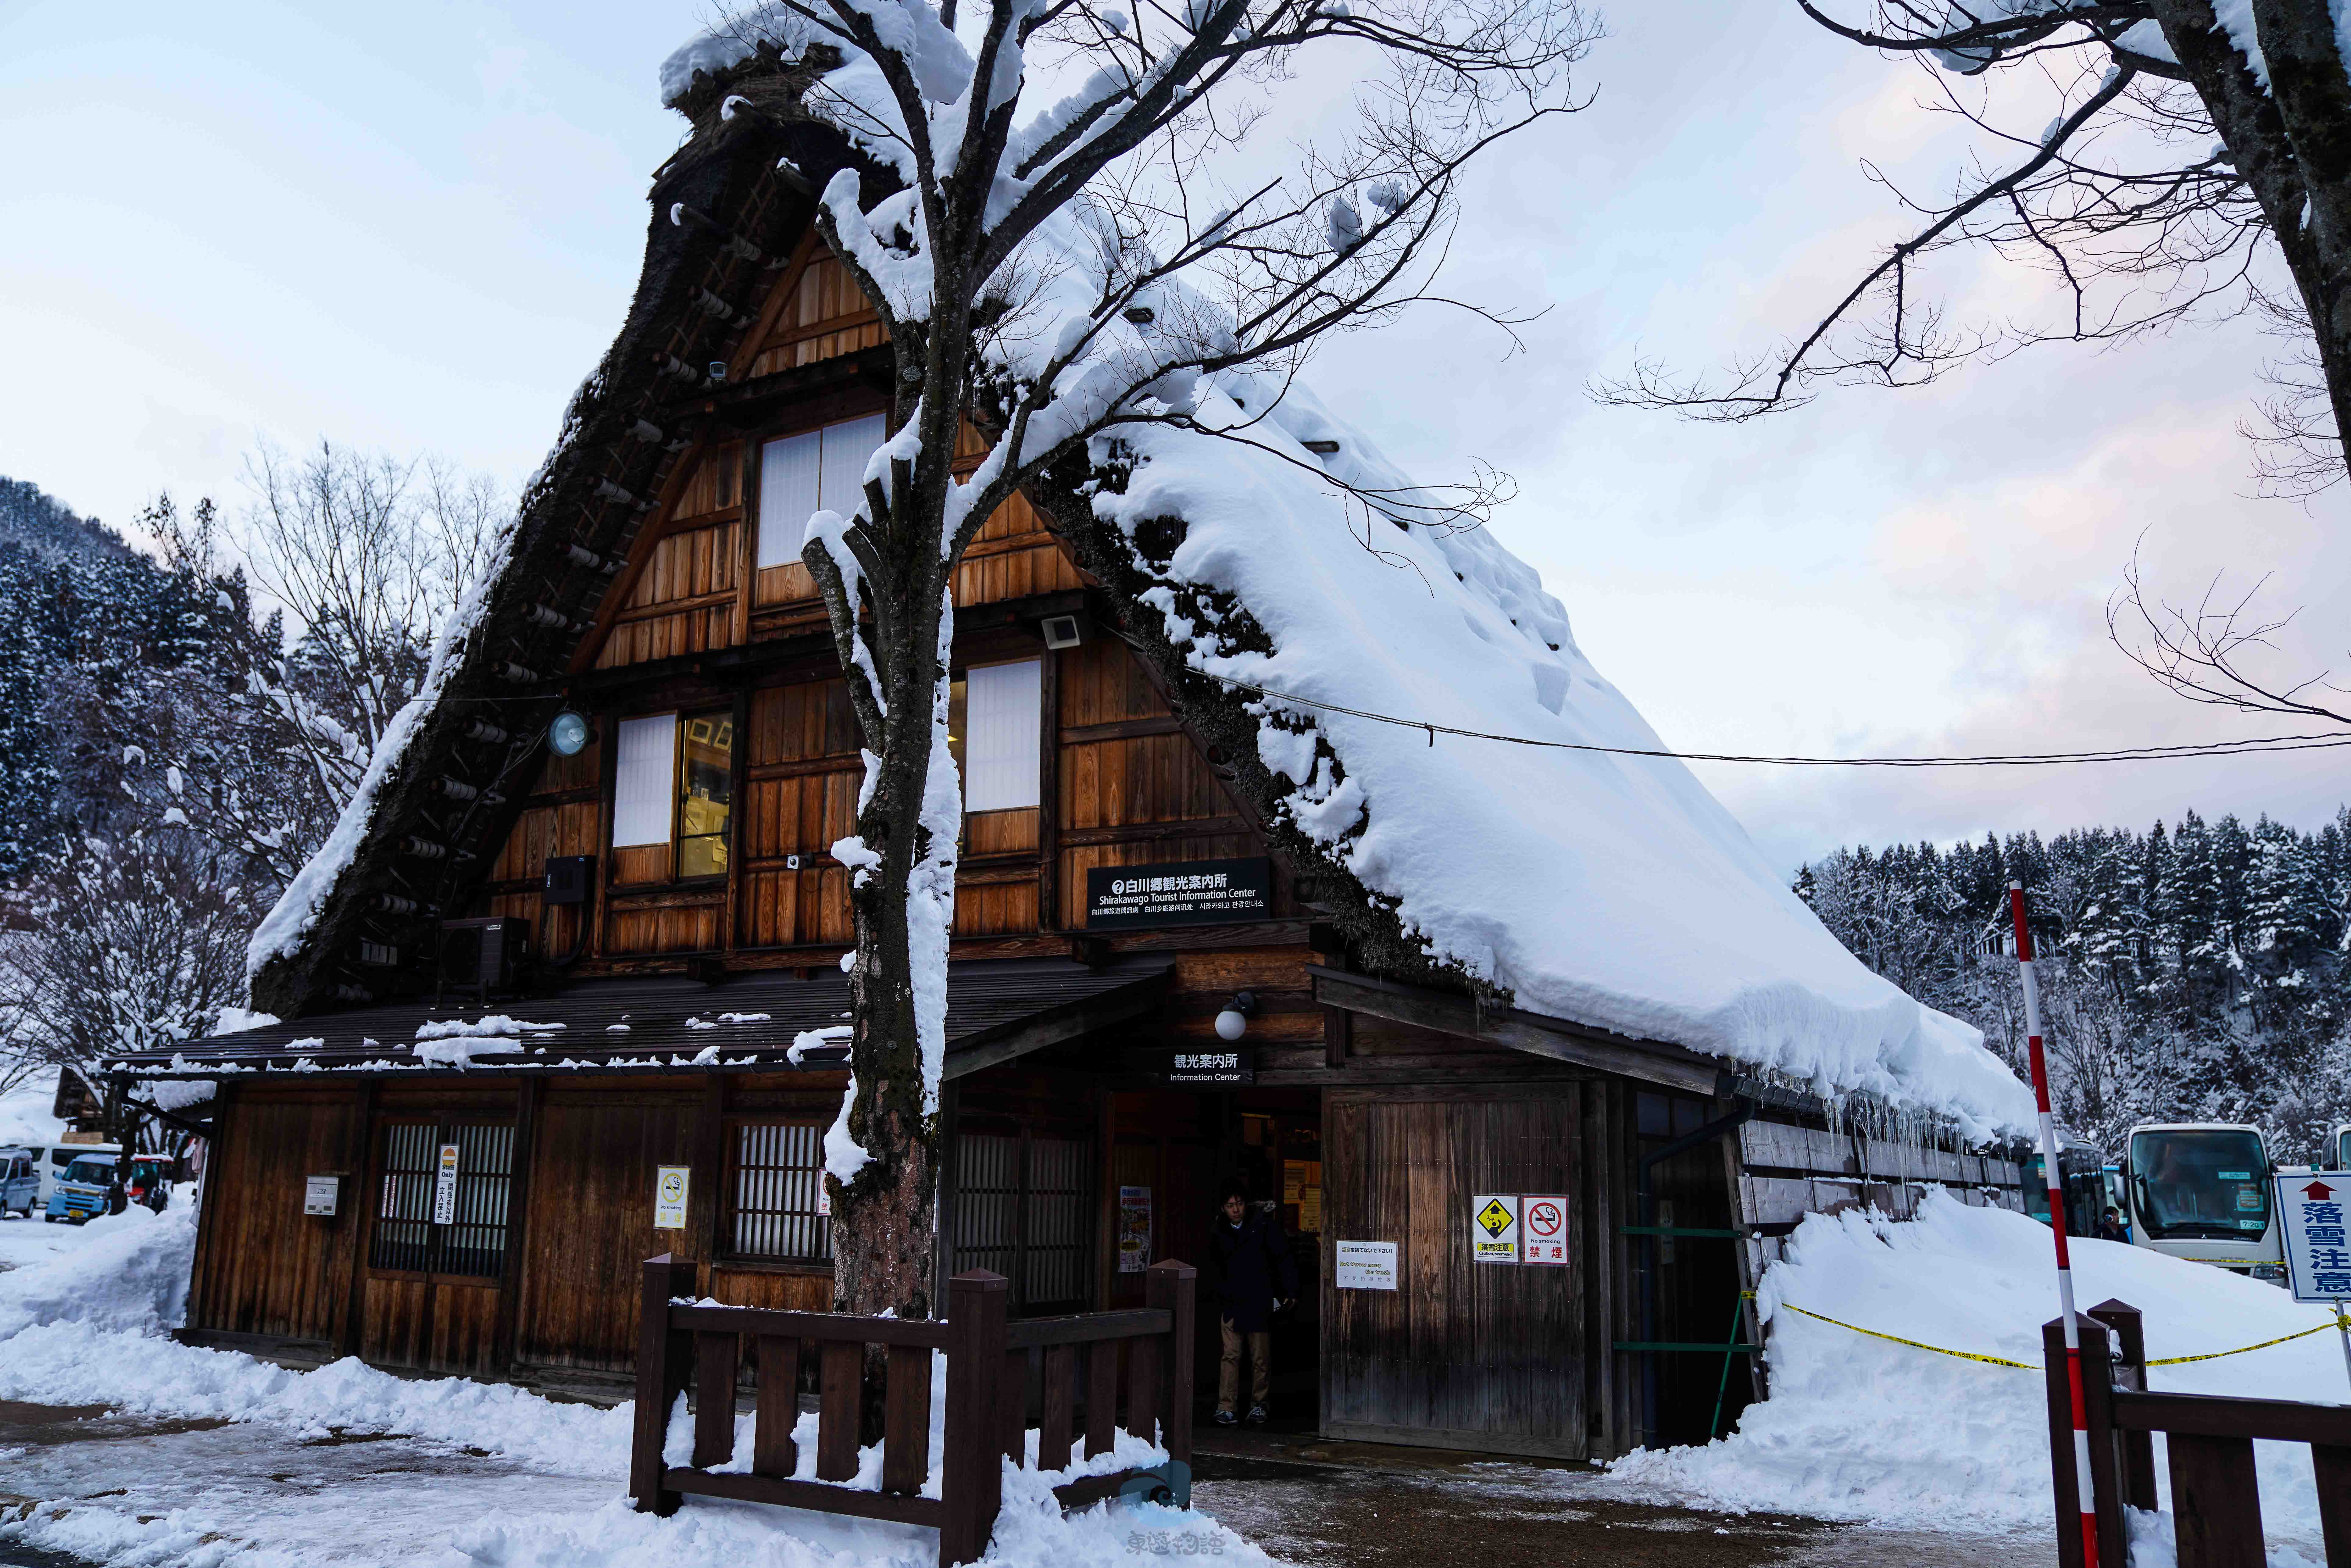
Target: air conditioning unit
point(484, 956)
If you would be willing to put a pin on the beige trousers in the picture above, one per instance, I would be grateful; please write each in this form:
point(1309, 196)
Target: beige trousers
point(1229, 1371)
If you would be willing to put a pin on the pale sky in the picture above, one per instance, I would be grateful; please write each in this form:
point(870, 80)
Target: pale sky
point(416, 228)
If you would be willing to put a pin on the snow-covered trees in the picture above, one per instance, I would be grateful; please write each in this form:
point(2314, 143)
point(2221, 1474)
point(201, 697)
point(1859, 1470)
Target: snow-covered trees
point(2192, 972)
point(1047, 204)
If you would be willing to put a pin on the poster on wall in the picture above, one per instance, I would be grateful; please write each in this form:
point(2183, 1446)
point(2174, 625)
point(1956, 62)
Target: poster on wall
point(1542, 1218)
point(445, 1186)
point(1302, 1186)
point(1494, 1227)
point(1363, 1265)
point(1133, 1229)
point(669, 1196)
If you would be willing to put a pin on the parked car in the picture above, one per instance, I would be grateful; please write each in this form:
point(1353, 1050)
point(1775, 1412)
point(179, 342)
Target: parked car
point(49, 1162)
point(20, 1183)
point(80, 1192)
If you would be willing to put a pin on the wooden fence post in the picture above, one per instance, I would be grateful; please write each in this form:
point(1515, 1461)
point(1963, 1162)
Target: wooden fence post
point(1173, 1285)
point(2135, 1451)
point(662, 1360)
point(2097, 1393)
point(971, 1487)
point(2216, 1501)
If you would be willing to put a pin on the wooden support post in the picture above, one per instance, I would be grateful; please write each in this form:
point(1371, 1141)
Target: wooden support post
point(1143, 1387)
point(2098, 1399)
point(1056, 1420)
point(1102, 1396)
point(2331, 1465)
point(773, 1452)
point(2135, 1451)
point(527, 1096)
point(1174, 1286)
point(716, 1359)
point(1013, 1406)
point(661, 1355)
point(841, 1386)
point(2216, 1503)
point(972, 1482)
point(906, 1420)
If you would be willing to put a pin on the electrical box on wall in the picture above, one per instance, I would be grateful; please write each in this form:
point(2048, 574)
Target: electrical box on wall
point(322, 1195)
point(569, 878)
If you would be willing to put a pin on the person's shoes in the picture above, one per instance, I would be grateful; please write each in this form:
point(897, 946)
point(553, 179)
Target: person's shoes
point(1256, 1415)
point(1226, 1418)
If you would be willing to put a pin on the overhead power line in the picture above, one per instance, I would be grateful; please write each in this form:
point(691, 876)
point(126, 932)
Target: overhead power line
point(2256, 746)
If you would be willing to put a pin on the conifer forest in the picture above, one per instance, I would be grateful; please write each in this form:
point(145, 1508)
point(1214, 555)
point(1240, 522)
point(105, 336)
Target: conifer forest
point(2195, 971)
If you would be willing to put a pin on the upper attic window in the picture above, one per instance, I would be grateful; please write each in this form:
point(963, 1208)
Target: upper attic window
point(811, 472)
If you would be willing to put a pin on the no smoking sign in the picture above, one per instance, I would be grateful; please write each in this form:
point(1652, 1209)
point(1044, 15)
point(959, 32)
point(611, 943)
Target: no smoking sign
point(1543, 1222)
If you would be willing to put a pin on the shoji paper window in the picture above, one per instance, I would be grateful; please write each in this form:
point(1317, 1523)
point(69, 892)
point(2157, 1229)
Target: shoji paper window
point(1001, 715)
point(641, 793)
point(803, 473)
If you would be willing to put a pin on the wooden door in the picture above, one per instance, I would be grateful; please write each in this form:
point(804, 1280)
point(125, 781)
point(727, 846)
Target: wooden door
point(1485, 1356)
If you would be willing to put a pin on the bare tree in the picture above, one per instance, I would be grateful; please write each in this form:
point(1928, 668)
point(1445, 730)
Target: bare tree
point(367, 554)
point(2181, 158)
point(1056, 273)
point(2210, 652)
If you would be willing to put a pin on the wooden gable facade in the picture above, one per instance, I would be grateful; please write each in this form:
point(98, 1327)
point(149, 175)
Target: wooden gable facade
point(486, 1210)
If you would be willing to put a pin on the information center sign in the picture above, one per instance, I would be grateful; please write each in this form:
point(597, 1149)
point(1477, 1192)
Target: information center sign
point(1190, 892)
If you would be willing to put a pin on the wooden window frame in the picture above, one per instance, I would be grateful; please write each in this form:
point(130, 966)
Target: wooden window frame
point(685, 715)
point(722, 1252)
point(445, 1126)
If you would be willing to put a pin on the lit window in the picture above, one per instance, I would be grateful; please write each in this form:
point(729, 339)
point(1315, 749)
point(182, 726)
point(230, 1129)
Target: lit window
point(705, 794)
point(647, 761)
point(993, 715)
point(808, 473)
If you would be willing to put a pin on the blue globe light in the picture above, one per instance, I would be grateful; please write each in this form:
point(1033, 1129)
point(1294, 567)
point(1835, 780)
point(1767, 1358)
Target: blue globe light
point(568, 734)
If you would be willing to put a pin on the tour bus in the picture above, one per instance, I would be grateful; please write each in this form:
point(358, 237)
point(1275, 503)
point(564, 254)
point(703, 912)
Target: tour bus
point(2339, 1148)
point(2081, 1175)
point(2200, 1190)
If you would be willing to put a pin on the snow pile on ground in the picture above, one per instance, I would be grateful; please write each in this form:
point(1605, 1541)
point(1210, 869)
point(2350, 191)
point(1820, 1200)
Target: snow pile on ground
point(129, 1276)
point(1859, 1428)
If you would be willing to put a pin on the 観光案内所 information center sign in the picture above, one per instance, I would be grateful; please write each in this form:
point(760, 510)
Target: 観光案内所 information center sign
point(1190, 893)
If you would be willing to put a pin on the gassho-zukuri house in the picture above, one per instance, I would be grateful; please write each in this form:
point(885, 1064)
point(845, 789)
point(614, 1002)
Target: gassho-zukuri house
point(541, 988)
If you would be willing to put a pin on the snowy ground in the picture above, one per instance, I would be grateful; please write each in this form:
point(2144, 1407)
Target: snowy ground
point(1859, 1428)
point(119, 1447)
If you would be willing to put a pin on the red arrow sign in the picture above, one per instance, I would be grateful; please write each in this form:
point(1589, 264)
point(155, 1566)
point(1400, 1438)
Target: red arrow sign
point(2318, 1192)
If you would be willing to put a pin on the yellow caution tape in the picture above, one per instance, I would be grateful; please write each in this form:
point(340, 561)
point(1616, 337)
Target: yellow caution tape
point(2183, 1360)
point(2035, 1366)
point(1914, 1344)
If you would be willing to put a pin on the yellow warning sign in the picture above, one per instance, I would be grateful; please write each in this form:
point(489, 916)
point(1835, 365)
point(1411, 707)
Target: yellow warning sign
point(1494, 1233)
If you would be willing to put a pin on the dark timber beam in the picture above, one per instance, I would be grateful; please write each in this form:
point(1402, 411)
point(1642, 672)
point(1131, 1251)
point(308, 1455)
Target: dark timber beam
point(1061, 1024)
point(1670, 1065)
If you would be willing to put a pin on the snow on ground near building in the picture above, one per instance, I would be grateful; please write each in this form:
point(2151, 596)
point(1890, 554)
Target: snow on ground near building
point(1859, 1428)
point(83, 1321)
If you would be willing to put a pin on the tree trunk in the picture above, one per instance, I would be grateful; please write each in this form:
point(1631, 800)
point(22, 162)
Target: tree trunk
point(2292, 147)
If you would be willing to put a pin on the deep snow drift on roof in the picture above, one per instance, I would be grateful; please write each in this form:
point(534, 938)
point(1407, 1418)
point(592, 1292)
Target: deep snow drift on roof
point(1612, 890)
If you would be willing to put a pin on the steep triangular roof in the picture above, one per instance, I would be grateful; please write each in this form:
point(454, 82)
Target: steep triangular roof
point(1608, 890)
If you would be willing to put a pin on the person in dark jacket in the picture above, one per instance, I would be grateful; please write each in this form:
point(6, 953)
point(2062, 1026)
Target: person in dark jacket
point(2110, 1226)
point(1255, 1276)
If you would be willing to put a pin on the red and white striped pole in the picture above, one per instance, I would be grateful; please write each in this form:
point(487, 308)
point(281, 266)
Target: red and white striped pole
point(2057, 1228)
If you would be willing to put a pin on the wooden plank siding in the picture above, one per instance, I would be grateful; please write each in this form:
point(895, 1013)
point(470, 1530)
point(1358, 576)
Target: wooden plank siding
point(268, 1269)
point(1462, 1353)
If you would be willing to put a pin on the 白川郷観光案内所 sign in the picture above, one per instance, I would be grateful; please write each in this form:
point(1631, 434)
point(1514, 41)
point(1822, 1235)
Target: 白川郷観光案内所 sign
point(1191, 893)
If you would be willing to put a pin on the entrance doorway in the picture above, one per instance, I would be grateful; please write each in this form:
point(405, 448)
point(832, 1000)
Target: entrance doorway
point(1686, 1285)
point(1171, 1152)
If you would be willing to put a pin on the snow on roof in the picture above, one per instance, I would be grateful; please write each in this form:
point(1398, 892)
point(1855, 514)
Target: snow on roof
point(1611, 890)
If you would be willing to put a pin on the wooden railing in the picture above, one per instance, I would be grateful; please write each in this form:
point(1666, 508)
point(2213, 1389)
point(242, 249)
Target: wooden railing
point(2216, 1506)
point(682, 1344)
